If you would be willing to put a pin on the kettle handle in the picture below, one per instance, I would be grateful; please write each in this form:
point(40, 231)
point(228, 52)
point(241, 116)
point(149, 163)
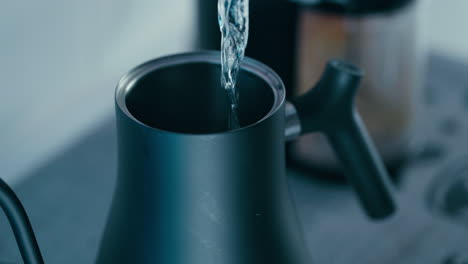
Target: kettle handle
point(20, 224)
point(329, 108)
point(361, 161)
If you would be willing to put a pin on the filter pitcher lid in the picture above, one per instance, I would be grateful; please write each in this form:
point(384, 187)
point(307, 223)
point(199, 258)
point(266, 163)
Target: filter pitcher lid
point(354, 7)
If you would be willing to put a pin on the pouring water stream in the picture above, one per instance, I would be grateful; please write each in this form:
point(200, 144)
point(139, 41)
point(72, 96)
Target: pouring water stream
point(233, 18)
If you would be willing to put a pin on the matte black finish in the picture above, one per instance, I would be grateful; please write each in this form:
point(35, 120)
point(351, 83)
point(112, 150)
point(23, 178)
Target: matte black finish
point(188, 190)
point(20, 225)
point(217, 197)
point(329, 107)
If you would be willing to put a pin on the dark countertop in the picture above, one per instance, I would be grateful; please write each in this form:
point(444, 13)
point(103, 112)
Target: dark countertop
point(68, 198)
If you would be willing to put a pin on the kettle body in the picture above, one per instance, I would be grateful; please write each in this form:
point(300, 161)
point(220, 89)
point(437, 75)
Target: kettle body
point(190, 190)
point(202, 198)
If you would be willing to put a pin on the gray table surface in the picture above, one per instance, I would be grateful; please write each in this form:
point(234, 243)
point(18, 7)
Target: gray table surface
point(68, 198)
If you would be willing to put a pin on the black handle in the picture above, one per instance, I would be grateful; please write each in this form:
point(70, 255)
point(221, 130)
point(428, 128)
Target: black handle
point(20, 224)
point(329, 108)
point(361, 162)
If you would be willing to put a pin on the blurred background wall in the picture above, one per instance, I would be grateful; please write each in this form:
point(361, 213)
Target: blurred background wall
point(60, 61)
point(446, 27)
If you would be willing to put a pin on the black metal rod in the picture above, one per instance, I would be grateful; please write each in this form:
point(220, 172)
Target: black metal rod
point(20, 225)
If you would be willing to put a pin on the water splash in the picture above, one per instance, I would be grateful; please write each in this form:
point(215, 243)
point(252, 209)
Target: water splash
point(233, 18)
